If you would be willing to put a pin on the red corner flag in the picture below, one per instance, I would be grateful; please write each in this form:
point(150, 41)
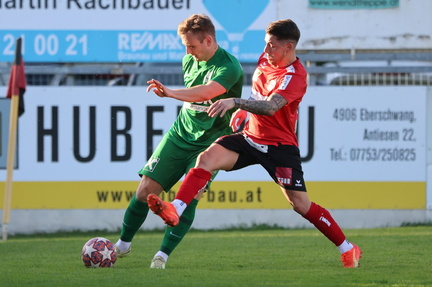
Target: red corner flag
point(16, 89)
point(17, 80)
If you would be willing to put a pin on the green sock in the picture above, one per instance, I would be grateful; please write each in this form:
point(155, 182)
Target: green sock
point(134, 217)
point(174, 235)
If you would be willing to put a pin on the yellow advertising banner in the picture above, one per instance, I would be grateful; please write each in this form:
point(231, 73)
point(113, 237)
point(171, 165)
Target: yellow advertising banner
point(222, 195)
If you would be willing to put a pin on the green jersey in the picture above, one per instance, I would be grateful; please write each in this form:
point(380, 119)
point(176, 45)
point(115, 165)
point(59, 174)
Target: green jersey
point(193, 131)
point(193, 126)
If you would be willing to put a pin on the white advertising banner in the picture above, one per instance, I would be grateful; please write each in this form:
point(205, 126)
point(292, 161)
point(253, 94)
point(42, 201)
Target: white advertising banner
point(107, 133)
point(366, 133)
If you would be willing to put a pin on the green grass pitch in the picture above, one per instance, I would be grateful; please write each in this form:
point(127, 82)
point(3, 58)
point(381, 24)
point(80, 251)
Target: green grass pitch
point(250, 257)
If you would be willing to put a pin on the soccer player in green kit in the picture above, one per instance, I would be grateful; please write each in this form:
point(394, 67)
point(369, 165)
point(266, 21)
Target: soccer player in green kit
point(210, 73)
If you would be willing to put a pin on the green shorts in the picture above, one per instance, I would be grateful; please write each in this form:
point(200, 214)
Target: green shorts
point(169, 162)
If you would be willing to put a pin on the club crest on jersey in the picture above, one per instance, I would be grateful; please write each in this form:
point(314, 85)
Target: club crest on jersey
point(256, 74)
point(151, 164)
point(284, 175)
point(208, 77)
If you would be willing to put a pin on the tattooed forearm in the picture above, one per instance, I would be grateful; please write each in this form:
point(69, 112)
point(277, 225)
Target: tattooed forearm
point(268, 108)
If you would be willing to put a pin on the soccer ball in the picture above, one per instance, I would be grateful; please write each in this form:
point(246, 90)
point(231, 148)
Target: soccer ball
point(98, 252)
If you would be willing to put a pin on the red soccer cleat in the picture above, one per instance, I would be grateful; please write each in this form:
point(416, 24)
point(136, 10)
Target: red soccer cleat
point(351, 259)
point(164, 209)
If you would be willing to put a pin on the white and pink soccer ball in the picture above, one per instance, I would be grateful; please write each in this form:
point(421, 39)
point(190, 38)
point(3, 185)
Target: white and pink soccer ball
point(98, 252)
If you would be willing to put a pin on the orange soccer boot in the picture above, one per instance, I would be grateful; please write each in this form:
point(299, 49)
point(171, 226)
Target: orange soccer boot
point(351, 259)
point(164, 209)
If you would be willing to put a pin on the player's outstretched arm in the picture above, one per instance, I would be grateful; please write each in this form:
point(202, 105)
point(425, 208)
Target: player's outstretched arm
point(198, 93)
point(158, 88)
point(260, 107)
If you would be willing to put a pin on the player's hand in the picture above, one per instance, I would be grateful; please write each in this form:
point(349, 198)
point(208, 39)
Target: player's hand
point(239, 120)
point(220, 107)
point(158, 88)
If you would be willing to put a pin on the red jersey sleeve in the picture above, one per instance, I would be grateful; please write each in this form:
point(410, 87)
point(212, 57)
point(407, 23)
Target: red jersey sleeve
point(289, 82)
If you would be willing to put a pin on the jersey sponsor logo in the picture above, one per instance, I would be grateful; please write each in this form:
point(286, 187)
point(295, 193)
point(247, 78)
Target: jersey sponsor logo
point(285, 82)
point(208, 102)
point(151, 164)
point(194, 107)
point(284, 175)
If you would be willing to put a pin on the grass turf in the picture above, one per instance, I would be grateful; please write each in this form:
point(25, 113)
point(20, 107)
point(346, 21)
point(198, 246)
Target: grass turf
point(256, 257)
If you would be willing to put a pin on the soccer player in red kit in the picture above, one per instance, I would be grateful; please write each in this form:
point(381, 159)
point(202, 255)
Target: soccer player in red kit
point(268, 139)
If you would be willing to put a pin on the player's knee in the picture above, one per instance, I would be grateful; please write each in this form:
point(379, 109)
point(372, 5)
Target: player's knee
point(299, 209)
point(147, 186)
point(302, 207)
point(142, 193)
point(204, 159)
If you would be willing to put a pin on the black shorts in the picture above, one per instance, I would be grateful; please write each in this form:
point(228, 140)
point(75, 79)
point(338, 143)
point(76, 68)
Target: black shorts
point(282, 162)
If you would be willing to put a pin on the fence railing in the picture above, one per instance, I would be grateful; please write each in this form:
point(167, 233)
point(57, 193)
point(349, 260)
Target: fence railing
point(324, 68)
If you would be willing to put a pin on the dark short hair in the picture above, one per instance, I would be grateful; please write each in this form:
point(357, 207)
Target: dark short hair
point(284, 30)
point(197, 24)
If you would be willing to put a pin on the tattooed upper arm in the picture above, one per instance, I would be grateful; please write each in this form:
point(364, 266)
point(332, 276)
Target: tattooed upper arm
point(278, 102)
point(262, 107)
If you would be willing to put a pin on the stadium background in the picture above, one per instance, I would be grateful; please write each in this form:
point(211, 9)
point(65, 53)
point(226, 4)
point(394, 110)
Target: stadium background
point(89, 125)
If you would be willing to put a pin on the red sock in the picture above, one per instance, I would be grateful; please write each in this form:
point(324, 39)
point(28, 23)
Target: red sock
point(195, 181)
point(325, 223)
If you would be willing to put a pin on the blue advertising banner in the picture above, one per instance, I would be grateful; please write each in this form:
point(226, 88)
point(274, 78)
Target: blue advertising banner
point(146, 30)
point(116, 46)
point(126, 31)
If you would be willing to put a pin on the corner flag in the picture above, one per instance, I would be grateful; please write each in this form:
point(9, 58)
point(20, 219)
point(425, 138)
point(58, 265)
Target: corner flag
point(16, 89)
point(17, 80)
